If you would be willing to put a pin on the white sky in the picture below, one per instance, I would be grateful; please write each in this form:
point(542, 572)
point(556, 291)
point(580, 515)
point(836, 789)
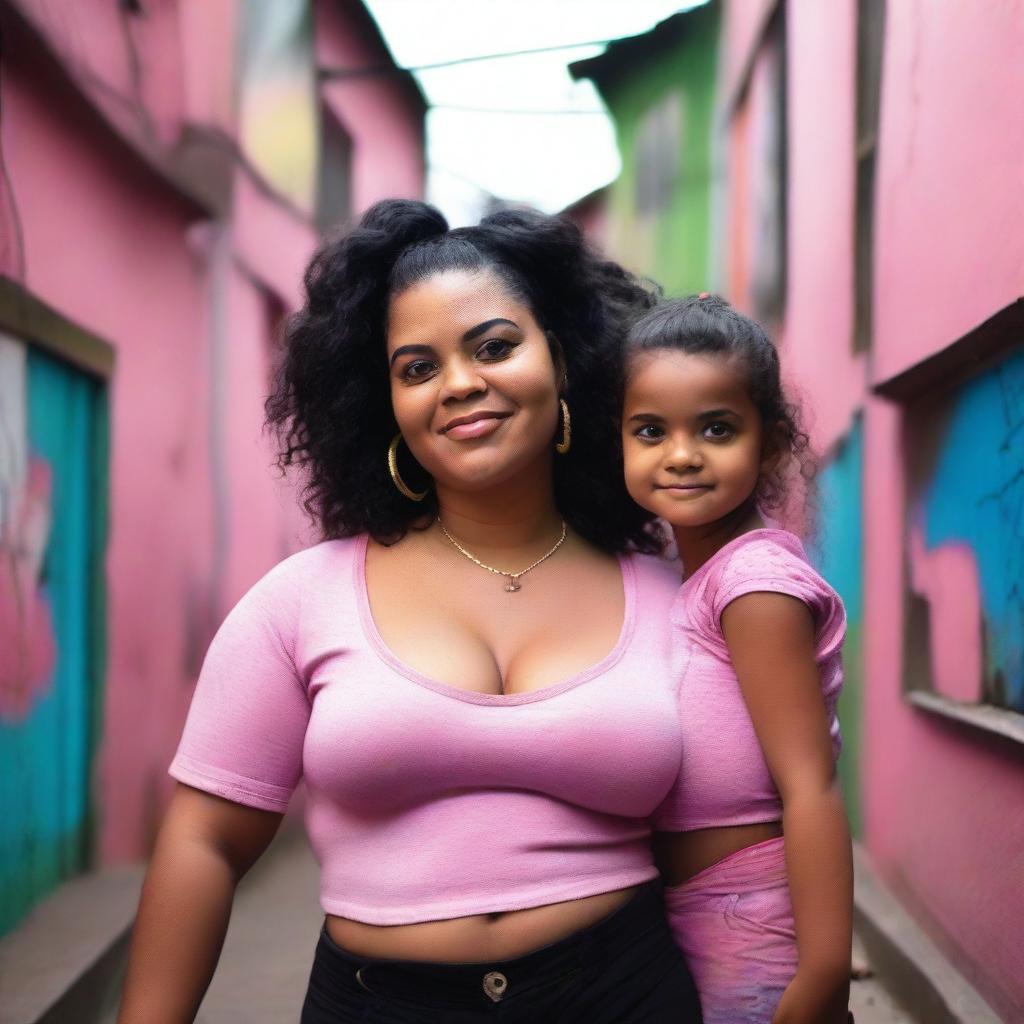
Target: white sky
point(548, 160)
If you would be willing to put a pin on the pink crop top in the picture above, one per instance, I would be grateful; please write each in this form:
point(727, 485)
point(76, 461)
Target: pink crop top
point(426, 801)
point(723, 778)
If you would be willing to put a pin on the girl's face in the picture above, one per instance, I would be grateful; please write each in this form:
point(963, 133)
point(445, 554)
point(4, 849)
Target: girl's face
point(473, 384)
point(692, 438)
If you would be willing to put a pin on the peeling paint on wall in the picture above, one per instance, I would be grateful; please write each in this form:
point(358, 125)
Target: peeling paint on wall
point(966, 540)
point(26, 485)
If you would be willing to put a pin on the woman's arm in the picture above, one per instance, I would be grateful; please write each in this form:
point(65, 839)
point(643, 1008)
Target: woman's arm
point(772, 645)
point(205, 846)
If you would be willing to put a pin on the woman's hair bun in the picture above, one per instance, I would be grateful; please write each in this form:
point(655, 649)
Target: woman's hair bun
point(516, 217)
point(356, 266)
point(404, 221)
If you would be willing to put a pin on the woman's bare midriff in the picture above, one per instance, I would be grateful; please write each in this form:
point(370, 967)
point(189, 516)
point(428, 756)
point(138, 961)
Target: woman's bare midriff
point(681, 855)
point(481, 938)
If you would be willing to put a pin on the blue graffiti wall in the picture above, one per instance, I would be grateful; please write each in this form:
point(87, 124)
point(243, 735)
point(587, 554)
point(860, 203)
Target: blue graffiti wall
point(975, 496)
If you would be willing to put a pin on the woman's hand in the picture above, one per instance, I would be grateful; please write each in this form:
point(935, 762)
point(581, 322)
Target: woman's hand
point(814, 1000)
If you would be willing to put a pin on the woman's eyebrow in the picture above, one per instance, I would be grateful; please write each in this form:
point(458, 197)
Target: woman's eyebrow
point(718, 414)
point(410, 350)
point(475, 332)
point(648, 417)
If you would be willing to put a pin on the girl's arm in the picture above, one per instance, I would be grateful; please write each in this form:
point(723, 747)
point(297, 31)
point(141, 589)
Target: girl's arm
point(772, 645)
point(205, 846)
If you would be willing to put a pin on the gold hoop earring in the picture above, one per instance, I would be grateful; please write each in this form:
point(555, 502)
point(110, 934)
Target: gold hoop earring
point(563, 446)
point(396, 476)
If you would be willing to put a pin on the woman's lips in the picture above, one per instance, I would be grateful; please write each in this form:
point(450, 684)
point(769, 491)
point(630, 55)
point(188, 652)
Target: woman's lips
point(480, 427)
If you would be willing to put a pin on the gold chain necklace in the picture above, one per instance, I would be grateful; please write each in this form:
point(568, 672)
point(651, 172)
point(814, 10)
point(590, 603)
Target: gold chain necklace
point(513, 577)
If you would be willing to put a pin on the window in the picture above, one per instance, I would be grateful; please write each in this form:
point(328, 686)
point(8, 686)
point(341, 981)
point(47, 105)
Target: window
point(766, 200)
point(659, 151)
point(334, 178)
point(277, 92)
point(964, 541)
point(870, 38)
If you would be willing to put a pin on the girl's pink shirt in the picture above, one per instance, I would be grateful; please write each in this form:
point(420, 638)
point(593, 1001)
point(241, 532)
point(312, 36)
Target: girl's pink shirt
point(426, 801)
point(723, 778)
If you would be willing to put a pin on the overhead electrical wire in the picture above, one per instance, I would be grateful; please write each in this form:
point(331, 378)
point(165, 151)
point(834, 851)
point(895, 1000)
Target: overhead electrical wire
point(455, 61)
point(512, 110)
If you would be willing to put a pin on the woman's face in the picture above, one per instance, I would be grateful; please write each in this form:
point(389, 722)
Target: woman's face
point(473, 384)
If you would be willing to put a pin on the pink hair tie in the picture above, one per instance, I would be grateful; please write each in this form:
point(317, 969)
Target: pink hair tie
point(704, 295)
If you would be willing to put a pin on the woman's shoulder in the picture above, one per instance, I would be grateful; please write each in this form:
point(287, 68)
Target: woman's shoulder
point(306, 573)
point(323, 556)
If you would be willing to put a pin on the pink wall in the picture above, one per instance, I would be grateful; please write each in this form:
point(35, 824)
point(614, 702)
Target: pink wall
point(950, 243)
point(816, 332)
point(131, 262)
point(143, 95)
point(818, 329)
point(949, 254)
point(940, 801)
point(590, 215)
point(742, 29)
point(207, 66)
point(385, 127)
point(257, 542)
point(737, 275)
point(190, 307)
point(113, 259)
point(269, 241)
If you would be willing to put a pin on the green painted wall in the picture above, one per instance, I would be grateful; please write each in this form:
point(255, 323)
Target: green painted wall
point(670, 244)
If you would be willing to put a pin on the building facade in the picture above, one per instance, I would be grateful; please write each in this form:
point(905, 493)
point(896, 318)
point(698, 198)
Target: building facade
point(659, 87)
point(168, 168)
point(892, 218)
point(850, 173)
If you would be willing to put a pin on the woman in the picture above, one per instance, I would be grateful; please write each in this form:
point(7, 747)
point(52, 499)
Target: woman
point(475, 689)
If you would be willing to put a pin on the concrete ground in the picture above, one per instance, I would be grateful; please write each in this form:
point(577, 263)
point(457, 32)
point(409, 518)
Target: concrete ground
point(269, 949)
point(869, 1001)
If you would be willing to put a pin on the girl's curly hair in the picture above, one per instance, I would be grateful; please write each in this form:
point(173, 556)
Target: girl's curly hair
point(330, 404)
point(708, 325)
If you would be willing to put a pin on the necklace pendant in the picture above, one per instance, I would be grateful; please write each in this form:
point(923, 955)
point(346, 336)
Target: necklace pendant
point(513, 585)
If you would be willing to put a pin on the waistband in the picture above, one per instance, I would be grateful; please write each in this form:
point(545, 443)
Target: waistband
point(760, 866)
point(484, 984)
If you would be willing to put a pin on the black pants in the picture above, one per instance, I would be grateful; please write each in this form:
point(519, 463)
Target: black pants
point(623, 970)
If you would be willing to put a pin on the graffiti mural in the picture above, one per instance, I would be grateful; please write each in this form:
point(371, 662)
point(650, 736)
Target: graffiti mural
point(26, 626)
point(52, 487)
point(837, 550)
point(965, 543)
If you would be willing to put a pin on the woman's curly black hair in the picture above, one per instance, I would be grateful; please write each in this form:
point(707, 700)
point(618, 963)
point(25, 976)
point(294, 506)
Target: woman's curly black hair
point(331, 407)
point(707, 325)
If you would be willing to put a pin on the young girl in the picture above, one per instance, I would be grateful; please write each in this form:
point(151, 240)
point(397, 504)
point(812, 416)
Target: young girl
point(764, 921)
